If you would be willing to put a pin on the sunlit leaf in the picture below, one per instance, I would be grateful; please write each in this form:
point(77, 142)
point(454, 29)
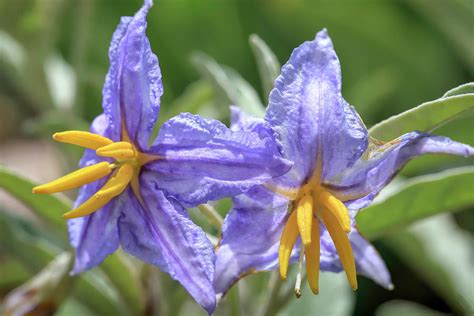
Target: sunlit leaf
point(425, 117)
point(459, 90)
point(230, 84)
point(267, 63)
point(417, 198)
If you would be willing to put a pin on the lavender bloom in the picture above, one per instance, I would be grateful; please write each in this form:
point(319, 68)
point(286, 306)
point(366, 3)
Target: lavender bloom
point(338, 169)
point(133, 195)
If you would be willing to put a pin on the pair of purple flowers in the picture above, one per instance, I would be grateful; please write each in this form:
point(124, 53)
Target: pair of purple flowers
point(298, 176)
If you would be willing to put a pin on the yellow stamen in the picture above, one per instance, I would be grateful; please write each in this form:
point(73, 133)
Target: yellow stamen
point(343, 246)
point(337, 208)
point(135, 185)
point(76, 179)
point(83, 139)
point(287, 242)
point(312, 253)
point(113, 187)
point(118, 150)
point(304, 211)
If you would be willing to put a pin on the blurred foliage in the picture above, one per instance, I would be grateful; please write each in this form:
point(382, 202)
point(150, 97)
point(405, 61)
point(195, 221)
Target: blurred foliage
point(394, 55)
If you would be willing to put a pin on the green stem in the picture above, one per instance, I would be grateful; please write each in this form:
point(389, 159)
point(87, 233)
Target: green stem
point(212, 216)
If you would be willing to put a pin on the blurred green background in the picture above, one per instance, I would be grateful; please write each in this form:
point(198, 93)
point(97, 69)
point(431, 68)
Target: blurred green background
point(394, 55)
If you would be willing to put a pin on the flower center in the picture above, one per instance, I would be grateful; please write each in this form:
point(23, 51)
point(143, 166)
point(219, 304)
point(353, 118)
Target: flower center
point(312, 205)
point(125, 170)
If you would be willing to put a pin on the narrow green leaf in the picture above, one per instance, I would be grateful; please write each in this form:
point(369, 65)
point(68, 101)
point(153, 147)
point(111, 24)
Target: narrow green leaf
point(425, 117)
point(22, 241)
point(459, 90)
point(267, 63)
point(125, 281)
point(197, 95)
point(230, 84)
point(45, 291)
point(12, 273)
point(407, 308)
point(335, 298)
point(440, 253)
point(48, 207)
point(418, 198)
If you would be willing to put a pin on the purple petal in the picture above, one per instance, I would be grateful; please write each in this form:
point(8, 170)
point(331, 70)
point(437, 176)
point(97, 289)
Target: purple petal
point(241, 121)
point(163, 235)
point(363, 181)
point(204, 160)
point(368, 261)
point(133, 84)
point(309, 115)
point(251, 236)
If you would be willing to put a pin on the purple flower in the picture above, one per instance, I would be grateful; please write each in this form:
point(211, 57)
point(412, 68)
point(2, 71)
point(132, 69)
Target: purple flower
point(338, 169)
point(133, 195)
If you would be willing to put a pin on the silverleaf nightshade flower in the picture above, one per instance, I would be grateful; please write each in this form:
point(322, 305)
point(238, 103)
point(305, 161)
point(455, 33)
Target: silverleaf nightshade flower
point(338, 169)
point(133, 195)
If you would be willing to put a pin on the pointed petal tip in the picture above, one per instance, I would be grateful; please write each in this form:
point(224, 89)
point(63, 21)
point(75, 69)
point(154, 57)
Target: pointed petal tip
point(322, 34)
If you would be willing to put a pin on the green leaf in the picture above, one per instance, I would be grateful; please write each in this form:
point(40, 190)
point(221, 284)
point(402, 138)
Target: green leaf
point(230, 84)
point(267, 63)
point(425, 117)
point(12, 273)
point(406, 308)
point(48, 207)
point(440, 253)
point(418, 198)
point(126, 282)
point(196, 96)
point(459, 90)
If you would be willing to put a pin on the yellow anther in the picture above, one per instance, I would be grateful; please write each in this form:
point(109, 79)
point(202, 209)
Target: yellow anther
point(304, 212)
point(118, 150)
point(83, 139)
point(287, 242)
point(343, 246)
point(337, 208)
point(75, 179)
point(312, 254)
point(113, 187)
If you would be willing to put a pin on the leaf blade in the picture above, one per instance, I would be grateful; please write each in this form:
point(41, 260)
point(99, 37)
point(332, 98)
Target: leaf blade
point(230, 84)
point(267, 63)
point(425, 117)
point(418, 198)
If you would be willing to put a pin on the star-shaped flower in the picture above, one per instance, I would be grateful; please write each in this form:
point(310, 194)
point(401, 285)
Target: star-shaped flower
point(338, 169)
point(133, 195)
